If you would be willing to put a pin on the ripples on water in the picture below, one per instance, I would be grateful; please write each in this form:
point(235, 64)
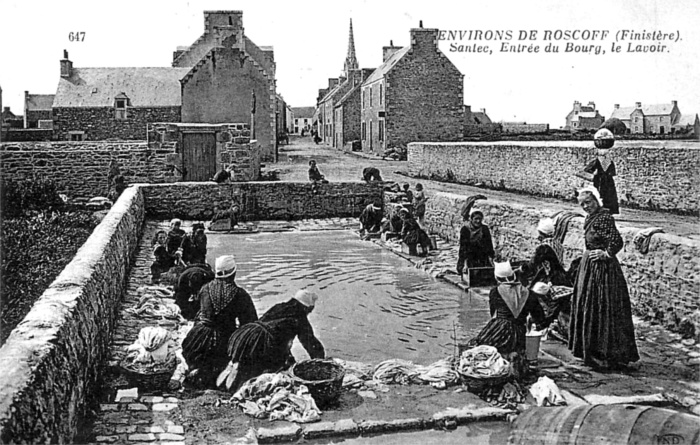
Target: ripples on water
point(374, 305)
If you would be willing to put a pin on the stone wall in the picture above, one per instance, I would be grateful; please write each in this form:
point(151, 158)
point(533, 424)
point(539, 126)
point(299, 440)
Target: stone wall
point(99, 123)
point(50, 361)
point(259, 200)
point(508, 127)
point(28, 134)
point(80, 168)
point(664, 283)
point(660, 175)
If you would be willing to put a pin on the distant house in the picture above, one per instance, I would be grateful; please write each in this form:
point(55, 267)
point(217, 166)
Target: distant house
point(38, 110)
point(649, 119)
point(688, 124)
point(348, 111)
point(414, 95)
point(478, 122)
point(303, 118)
point(583, 117)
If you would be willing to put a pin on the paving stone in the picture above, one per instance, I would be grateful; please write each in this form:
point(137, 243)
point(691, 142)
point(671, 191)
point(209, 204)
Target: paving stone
point(152, 399)
point(141, 437)
point(151, 429)
point(694, 361)
point(164, 406)
point(346, 426)
point(320, 429)
point(176, 429)
point(106, 439)
point(137, 407)
point(170, 436)
point(405, 424)
point(113, 406)
point(373, 426)
point(125, 429)
point(171, 399)
point(367, 394)
point(280, 434)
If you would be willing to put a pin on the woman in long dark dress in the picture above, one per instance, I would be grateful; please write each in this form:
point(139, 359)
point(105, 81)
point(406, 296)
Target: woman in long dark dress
point(603, 170)
point(601, 330)
point(475, 243)
point(163, 260)
point(265, 346)
point(222, 304)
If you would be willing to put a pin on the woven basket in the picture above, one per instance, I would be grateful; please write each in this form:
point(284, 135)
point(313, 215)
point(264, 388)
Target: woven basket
point(480, 385)
point(154, 380)
point(324, 378)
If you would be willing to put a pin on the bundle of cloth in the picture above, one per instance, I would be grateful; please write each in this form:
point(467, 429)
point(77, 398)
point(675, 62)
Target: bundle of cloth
point(151, 305)
point(397, 371)
point(275, 396)
point(483, 362)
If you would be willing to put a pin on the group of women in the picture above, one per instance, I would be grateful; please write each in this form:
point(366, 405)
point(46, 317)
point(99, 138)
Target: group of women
point(595, 314)
point(178, 248)
point(227, 329)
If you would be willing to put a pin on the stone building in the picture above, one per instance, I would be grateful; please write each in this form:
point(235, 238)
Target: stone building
point(38, 110)
point(583, 117)
point(649, 119)
point(303, 118)
point(688, 124)
point(348, 113)
point(114, 103)
point(415, 95)
point(223, 77)
point(226, 71)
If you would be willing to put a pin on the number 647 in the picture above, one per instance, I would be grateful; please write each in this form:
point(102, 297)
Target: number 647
point(76, 36)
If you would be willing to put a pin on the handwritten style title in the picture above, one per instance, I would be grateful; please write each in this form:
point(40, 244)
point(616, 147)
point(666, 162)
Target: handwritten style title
point(575, 41)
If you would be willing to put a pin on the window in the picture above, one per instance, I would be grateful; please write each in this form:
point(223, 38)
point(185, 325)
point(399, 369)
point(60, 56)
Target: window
point(364, 131)
point(636, 129)
point(381, 130)
point(363, 99)
point(370, 96)
point(380, 93)
point(77, 136)
point(120, 103)
point(636, 119)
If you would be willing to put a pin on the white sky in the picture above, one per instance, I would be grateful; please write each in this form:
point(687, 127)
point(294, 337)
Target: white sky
point(310, 39)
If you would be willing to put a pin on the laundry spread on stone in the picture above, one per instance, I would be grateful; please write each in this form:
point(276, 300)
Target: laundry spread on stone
point(150, 305)
point(275, 396)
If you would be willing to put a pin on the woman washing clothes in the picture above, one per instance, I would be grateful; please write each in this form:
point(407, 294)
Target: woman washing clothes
point(163, 259)
point(552, 286)
point(601, 331)
point(266, 345)
point(222, 304)
point(510, 303)
point(475, 243)
point(412, 234)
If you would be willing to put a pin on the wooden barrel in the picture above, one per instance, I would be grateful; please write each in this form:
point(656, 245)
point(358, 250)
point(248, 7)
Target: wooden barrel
point(605, 424)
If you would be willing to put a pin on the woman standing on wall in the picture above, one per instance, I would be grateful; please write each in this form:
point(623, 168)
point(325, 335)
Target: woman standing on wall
point(602, 171)
point(601, 330)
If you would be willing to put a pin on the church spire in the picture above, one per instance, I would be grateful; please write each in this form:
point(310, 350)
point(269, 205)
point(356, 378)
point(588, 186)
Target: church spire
point(351, 58)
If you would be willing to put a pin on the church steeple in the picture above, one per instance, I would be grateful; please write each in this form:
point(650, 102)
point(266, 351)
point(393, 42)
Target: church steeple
point(351, 58)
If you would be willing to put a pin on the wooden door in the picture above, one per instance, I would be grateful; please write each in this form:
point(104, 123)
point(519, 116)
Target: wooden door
point(199, 156)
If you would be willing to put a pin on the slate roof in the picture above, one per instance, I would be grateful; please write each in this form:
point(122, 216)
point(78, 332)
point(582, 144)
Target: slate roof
point(622, 113)
point(648, 110)
point(388, 65)
point(97, 87)
point(348, 95)
point(39, 101)
point(480, 117)
point(303, 112)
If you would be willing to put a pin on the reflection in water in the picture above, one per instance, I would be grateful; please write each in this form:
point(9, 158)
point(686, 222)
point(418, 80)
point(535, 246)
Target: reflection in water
point(374, 305)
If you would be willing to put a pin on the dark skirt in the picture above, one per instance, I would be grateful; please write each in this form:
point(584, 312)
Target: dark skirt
point(505, 334)
point(204, 348)
point(417, 237)
point(253, 342)
point(601, 326)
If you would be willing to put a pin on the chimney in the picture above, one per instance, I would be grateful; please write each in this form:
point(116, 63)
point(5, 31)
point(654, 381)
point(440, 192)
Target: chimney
point(388, 51)
point(674, 103)
point(483, 110)
point(617, 106)
point(66, 66)
point(424, 38)
point(638, 105)
point(591, 104)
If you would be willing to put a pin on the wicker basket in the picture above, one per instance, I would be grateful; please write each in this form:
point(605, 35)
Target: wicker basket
point(324, 378)
point(480, 385)
point(154, 380)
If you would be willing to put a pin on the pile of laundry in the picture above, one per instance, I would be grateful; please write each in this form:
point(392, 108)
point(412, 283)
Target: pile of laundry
point(277, 397)
point(437, 268)
point(155, 302)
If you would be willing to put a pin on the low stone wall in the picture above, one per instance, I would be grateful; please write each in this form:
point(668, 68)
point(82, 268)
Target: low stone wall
point(664, 283)
point(259, 200)
point(28, 134)
point(50, 361)
point(80, 168)
point(660, 175)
